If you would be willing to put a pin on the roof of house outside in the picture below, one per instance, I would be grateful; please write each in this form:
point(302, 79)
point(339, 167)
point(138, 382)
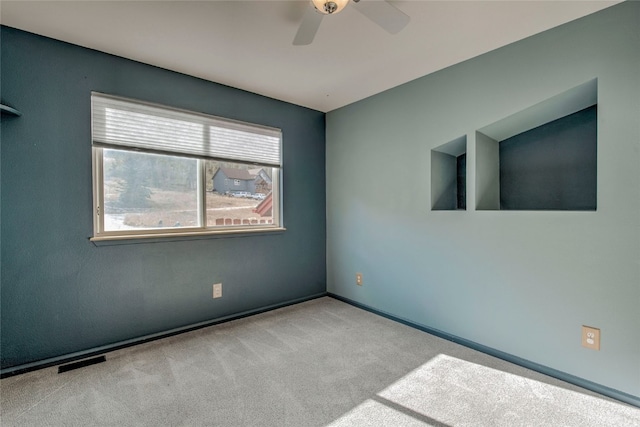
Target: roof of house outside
point(237, 174)
point(265, 207)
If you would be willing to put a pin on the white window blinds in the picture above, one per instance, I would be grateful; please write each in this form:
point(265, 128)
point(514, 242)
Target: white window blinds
point(121, 123)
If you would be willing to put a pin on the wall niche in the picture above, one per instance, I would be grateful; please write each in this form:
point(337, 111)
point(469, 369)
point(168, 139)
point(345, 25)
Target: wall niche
point(449, 175)
point(541, 158)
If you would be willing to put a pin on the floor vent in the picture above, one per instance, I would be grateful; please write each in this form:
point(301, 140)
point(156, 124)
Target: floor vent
point(81, 364)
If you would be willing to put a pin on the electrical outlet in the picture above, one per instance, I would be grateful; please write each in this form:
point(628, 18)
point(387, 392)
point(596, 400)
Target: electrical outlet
point(591, 337)
point(359, 279)
point(217, 290)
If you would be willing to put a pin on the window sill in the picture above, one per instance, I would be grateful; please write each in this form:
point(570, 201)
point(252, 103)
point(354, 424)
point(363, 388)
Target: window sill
point(132, 239)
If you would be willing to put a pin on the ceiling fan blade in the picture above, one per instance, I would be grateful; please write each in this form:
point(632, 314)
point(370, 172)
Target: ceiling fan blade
point(308, 27)
point(383, 13)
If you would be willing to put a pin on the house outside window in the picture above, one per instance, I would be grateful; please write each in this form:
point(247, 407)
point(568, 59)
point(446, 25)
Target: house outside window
point(155, 172)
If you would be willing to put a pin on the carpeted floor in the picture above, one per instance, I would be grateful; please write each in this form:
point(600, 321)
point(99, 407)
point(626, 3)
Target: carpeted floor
point(319, 363)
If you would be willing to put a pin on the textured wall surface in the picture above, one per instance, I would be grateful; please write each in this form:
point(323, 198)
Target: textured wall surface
point(521, 282)
point(60, 293)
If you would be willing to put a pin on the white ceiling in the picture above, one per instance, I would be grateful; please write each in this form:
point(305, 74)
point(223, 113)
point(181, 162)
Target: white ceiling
point(248, 44)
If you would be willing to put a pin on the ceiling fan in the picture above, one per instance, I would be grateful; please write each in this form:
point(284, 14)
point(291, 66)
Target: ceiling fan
point(383, 13)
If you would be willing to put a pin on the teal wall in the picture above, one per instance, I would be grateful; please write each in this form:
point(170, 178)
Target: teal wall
point(522, 282)
point(61, 294)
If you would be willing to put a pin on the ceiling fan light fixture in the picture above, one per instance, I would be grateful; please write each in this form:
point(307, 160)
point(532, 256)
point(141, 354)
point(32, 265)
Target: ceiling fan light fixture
point(329, 7)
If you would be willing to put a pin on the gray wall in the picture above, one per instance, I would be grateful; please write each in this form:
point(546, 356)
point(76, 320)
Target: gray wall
point(518, 281)
point(61, 294)
point(552, 166)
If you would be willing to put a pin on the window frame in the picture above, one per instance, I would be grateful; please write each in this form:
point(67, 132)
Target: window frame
point(100, 234)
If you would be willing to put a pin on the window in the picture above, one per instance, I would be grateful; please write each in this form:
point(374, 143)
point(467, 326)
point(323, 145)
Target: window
point(449, 175)
point(160, 171)
point(544, 157)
